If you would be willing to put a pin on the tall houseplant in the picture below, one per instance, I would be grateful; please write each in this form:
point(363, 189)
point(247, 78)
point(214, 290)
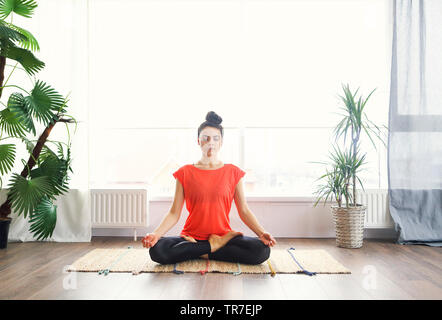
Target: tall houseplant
point(45, 175)
point(346, 165)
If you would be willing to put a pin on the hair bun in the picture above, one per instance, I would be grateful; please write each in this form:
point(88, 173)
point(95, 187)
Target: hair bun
point(212, 117)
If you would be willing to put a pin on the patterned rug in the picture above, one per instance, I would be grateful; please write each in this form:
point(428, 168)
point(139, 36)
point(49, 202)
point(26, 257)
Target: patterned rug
point(136, 261)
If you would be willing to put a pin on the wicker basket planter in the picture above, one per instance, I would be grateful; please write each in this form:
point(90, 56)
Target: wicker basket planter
point(349, 225)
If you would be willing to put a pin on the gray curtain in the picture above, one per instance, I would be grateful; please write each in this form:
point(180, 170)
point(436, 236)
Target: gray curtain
point(415, 121)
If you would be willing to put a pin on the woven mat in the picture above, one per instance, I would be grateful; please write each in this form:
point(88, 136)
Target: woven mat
point(138, 260)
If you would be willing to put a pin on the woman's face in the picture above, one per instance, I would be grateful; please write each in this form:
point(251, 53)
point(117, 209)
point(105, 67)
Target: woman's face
point(210, 141)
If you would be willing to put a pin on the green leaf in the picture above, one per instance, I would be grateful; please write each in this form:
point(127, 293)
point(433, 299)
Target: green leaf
point(17, 105)
point(11, 124)
point(44, 219)
point(360, 182)
point(7, 157)
point(374, 144)
point(60, 150)
point(377, 135)
point(25, 57)
point(26, 194)
point(56, 169)
point(29, 144)
point(25, 8)
point(337, 129)
point(366, 99)
point(46, 152)
point(43, 102)
point(27, 39)
point(8, 33)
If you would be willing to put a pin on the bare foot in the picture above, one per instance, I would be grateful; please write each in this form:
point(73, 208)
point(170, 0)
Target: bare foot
point(189, 238)
point(205, 256)
point(217, 242)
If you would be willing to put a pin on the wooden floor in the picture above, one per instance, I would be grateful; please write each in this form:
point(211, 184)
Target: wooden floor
point(380, 269)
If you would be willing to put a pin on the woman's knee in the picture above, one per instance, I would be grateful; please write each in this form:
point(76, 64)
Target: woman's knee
point(259, 252)
point(262, 254)
point(158, 253)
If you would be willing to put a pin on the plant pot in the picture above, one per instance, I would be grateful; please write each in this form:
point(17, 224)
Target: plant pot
point(4, 231)
point(349, 225)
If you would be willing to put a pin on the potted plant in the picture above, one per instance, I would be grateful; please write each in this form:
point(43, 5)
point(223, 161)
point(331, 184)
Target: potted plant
point(341, 179)
point(33, 191)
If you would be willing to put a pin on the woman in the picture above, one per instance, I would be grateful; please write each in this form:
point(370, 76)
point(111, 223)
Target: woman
point(208, 187)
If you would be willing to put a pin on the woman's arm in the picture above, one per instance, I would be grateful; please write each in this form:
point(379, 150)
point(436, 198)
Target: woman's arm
point(244, 212)
point(172, 217)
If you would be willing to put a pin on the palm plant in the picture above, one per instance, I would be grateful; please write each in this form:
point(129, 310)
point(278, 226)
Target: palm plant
point(344, 166)
point(33, 191)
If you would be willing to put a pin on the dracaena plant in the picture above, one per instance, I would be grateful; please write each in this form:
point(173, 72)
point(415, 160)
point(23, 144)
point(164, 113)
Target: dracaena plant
point(337, 180)
point(45, 174)
point(347, 164)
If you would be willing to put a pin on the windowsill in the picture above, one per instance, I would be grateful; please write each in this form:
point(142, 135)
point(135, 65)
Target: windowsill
point(253, 199)
point(168, 198)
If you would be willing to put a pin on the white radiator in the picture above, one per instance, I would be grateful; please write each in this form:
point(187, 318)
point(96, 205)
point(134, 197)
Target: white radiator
point(119, 208)
point(377, 214)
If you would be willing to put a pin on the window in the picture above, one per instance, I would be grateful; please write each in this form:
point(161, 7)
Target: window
point(271, 69)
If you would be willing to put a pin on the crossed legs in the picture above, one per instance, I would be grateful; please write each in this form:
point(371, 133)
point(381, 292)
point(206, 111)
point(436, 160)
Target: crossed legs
point(240, 248)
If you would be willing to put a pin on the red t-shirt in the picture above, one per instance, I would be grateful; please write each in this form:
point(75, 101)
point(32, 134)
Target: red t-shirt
point(208, 195)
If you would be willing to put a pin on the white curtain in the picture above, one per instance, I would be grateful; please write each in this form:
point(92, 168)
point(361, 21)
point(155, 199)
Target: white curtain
point(415, 139)
point(60, 27)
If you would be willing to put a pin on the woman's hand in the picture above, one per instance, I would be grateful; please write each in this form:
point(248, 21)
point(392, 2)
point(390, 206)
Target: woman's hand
point(267, 239)
point(150, 240)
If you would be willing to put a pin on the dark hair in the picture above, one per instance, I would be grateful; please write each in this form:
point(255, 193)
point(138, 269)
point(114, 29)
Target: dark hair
point(212, 120)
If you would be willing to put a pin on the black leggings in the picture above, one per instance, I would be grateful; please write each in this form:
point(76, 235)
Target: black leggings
point(242, 249)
